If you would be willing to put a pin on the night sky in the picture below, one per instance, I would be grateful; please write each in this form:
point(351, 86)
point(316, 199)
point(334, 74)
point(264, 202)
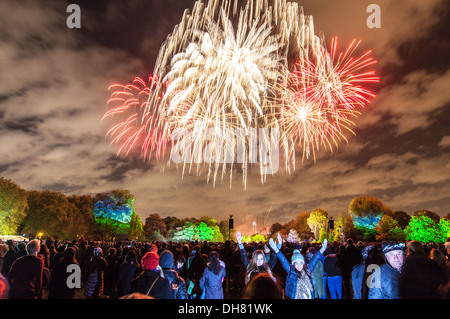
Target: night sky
point(54, 89)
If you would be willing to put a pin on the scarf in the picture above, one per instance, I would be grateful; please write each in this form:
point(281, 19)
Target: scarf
point(304, 286)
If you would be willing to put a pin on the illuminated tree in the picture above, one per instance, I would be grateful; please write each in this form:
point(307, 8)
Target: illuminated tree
point(85, 218)
point(113, 212)
point(254, 238)
point(318, 220)
point(52, 214)
point(429, 214)
point(367, 211)
point(200, 232)
point(424, 229)
point(13, 202)
point(444, 225)
point(154, 223)
point(388, 229)
point(299, 224)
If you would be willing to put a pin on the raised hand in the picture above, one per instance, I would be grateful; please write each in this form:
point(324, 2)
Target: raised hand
point(239, 237)
point(324, 246)
point(280, 241)
point(273, 245)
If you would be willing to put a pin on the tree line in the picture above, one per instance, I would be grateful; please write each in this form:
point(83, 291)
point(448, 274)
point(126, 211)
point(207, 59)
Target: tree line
point(111, 216)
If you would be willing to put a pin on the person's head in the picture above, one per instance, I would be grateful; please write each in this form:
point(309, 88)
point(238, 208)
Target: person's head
point(262, 286)
point(447, 245)
point(415, 248)
point(150, 260)
point(131, 257)
point(214, 262)
point(297, 260)
point(3, 249)
point(33, 247)
point(69, 253)
point(166, 259)
point(112, 251)
point(136, 295)
point(98, 252)
point(394, 253)
point(180, 261)
point(438, 256)
point(259, 258)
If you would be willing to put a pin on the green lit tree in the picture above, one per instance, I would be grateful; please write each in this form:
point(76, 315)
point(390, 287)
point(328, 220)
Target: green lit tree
point(444, 225)
point(201, 232)
point(424, 229)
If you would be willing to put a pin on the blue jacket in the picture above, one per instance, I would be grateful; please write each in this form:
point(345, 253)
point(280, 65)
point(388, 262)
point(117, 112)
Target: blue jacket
point(389, 284)
point(357, 279)
point(211, 284)
point(291, 278)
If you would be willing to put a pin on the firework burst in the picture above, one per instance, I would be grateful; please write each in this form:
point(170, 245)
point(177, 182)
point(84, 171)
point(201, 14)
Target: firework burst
point(320, 98)
point(230, 67)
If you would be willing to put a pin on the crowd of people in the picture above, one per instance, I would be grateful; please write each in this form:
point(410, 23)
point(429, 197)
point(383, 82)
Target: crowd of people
point(48, 269)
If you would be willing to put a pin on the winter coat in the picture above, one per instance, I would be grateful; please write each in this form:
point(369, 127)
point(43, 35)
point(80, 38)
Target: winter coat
point(25, 277)
point(212, 283)
point(177, 284)
point(291, 278)
point(389, 282)
point(331, 266)
point(421, 278)
point(58, 288)
point(357, 280)
point(317, 279)
point(127, 272)
point(143, 282)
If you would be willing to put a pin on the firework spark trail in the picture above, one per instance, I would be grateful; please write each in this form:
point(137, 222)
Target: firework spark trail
point(321, 95)
point(226, 68)
point(139, 124)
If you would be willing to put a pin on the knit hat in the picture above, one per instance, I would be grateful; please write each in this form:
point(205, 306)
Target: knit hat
point(166, 259)
point(297, 256)
point(391, 246)
point(150, 260)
